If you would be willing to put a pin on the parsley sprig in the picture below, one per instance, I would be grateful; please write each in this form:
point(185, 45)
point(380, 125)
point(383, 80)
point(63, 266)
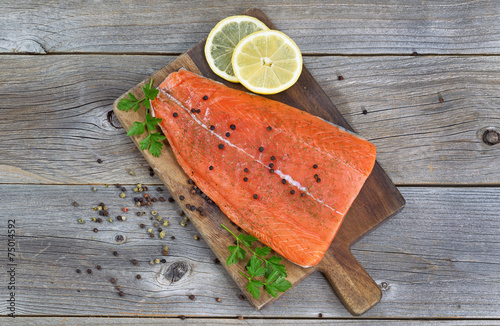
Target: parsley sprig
point(153, 139)
point(258, 266)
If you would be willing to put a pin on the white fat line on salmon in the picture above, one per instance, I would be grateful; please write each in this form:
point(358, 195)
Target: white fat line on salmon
point(278, 172)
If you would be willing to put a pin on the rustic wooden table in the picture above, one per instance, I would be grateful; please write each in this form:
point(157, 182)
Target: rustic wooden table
point(420, 79)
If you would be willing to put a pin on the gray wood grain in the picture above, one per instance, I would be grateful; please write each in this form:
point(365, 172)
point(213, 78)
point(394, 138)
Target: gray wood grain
point(438, 258)
point(348, 26)
point(78, 321)
point(57, 131)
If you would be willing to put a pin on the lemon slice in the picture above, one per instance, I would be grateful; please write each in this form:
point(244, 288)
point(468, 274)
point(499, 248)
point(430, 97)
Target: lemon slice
point(223, 39)
point(267, 62)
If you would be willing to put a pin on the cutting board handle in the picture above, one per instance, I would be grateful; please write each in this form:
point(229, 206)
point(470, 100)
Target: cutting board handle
point(355, 288)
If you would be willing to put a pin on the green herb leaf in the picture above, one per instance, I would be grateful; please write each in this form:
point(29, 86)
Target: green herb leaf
point(273, 276)
point(272, 290)
point(263, 252)
point(236, 255)
point(253, 287)
point(144, 144)
point(282, 285)
point(149, 92)
point(273, 264)
point(136, 129)
point(254, 267)
point(151, 122)
point(131, 103)
point(247, 239)
point(156, 144)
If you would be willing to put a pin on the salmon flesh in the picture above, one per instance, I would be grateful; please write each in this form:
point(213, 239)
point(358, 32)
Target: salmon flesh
point(281, 174)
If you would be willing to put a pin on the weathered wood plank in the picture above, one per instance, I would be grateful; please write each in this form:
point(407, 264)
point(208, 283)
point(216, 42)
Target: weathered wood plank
point(345, 26)
point(438, 258)
point(81, 321)
point(57, 131)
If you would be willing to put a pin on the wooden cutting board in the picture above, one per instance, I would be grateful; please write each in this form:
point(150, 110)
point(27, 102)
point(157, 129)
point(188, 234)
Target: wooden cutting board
point(378, 199)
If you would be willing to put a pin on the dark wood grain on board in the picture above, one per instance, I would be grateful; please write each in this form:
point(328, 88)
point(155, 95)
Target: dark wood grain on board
point(378, 200)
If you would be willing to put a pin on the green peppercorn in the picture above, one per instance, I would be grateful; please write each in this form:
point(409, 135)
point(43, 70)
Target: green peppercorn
point(110, 220)
point(162, 234)
point(80, 220)
point(122, 195)
point(165, 223)
point(183, 223)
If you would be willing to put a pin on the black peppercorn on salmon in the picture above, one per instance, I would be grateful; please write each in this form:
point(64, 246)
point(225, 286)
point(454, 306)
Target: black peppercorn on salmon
point(283, 175)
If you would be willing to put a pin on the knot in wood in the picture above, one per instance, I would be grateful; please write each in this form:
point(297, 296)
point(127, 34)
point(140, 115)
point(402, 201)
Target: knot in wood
point(176, 271)
point(491, 137)
point(113, 120)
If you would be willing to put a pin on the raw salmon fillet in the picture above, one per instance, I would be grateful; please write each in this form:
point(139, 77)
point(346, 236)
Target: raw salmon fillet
point(283, 175)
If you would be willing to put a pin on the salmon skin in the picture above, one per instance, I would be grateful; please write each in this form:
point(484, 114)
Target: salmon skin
point(281, 174)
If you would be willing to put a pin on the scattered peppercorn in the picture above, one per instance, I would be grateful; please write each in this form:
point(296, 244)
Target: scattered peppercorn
point(255, 197)
point(246, 170)
point(245, 179)
point(193, 208)
point(271, 171)
point(78, 271)
point(142, 226)
point(200, 209)
point(193, 110)
point(316, 176)
point(98, 267)
point(159, 189)
point(115, 253)
point(292, 191)
point(138, 276)
point(182, 317)
point(196, 237)
point(181, 197)
point(94, 189)
point(340, 77)
point(315, 166)
point(212, 127)
point(318, 180)
point(124, 189)
point(273, 158)
point(210, 168)
point(221, 146)
point(228, 134)
point(218, 299)
point(157, 261)
point(118, 287)
point(89, 271)
point(233, 127)
point(365, 111)
point(121, 294)
point(172, 237)
point(80, 220)
point(134, 261)
point(175, 115)
point(261, 149)
point(303, 194)
point(269, 128)
point(198, 111)
point(112, 280)
point(240, 317)
point(118, 185)
point(241, 297)
point(124, 209)
point(95, 230)
point(122, 195)
point(320, 315)
point(271, 165)
point(163, 261)
point(205, 97)
point(99, 161)
point(162, 199)
point(151, 235)
point(192, 297)
point(75, 204)
point(99, 220)
point(119, 218)
point(283, 181)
